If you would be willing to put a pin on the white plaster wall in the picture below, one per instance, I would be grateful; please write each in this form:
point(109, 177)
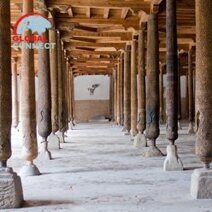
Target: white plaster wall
point(82, 83)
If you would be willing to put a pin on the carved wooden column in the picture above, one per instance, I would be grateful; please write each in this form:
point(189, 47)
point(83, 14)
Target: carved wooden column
point(15, 107)
point(140, 139)
point(179, 91)
point(44, 98)
point(152, 86)
point(127, 87)
point(71, 84)
point(54, 80)
point(69, 95)
point(121, 73)
point(201, 183)
point(172, 161)
point(162, 70)
point(60, 67)
point(10, 184)
point(53, 139)
point(27, 104)
point(111, 98)
point(191, 90)
point(66, 101)
point(115, 94)
point(68, 120)
point(118, 107)
point(133, 77)
point(64, 76)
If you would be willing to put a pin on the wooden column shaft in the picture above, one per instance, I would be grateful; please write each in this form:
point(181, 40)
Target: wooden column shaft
point(115, 94)
point(179, 88)
point(163, 67)
point(27, 102)
point(5, 85)
point(172, 72)
point(191, 85)
point(15, 107)
point(60, 85)
point(204, 80)
point(44, 93)
point(118, 119)
point(133, 88)
point(127, 87)
point(152, 79)
point(141, 80)
point(54, 80)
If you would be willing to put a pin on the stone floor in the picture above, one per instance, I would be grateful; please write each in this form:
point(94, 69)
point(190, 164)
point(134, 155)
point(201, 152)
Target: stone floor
point(99, 170)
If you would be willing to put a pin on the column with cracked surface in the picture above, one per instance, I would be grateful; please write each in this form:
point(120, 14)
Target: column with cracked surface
point(201, 182)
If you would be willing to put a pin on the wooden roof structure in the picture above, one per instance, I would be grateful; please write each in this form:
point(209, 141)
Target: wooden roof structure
point(95, 32)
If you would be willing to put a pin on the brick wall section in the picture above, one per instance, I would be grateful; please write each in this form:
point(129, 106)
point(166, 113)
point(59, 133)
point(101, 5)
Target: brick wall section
point(84, 110)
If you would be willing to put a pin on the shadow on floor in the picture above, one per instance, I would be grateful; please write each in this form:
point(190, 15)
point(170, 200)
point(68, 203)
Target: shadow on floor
point(37, 203)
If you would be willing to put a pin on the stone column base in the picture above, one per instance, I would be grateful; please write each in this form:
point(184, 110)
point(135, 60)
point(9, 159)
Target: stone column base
point(61, 137)
point(201, 184)
point(152, 151)
point(140, 141)
point(53, 142)
point(124, 129)
point(127, 133)
point(70, 125)
point(29, 170)
point(11, 193)
point(172, 161)
point(179, 125)
point(191, 128)
point(133, 133)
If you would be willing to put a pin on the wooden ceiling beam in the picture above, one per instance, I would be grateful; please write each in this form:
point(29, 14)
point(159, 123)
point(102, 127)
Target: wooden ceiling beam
point(126, 23)
point(135, 5)
point(94, 45)
point(74, 33)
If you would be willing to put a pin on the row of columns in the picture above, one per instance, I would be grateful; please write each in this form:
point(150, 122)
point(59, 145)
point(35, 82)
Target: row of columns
point(143, 98)
point(54, 104)
point(201, 178)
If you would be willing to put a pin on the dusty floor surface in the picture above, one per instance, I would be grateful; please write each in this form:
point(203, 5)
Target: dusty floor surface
point(99, 170)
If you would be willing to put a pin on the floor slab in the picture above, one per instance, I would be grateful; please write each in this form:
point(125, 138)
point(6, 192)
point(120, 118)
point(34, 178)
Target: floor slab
point(99, 170)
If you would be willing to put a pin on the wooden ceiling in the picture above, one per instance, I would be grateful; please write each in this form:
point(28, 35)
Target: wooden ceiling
point(95, 32)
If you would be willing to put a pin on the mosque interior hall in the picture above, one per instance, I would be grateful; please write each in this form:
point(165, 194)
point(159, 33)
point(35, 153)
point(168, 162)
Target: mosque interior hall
point(105, 106)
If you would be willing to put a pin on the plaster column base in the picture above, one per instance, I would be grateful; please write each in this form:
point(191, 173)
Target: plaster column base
point(201, 184)
point(172, 161)
point(127, 133)
point(70, 125)
point(152, 150)
point(61, 136)
point(53, 142)
point(119, 121)
point(44, 153)
point(18, 127)
point(29, 169)
point(124, 129)
point(133, 133)
point(191, 128)
point(140, 141)
point(11, 193)
point(179, 125)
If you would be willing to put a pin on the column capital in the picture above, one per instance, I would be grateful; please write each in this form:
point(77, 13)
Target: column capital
point(142, 26)
point(155, 8)
point(14, 59)
point(40, 5)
